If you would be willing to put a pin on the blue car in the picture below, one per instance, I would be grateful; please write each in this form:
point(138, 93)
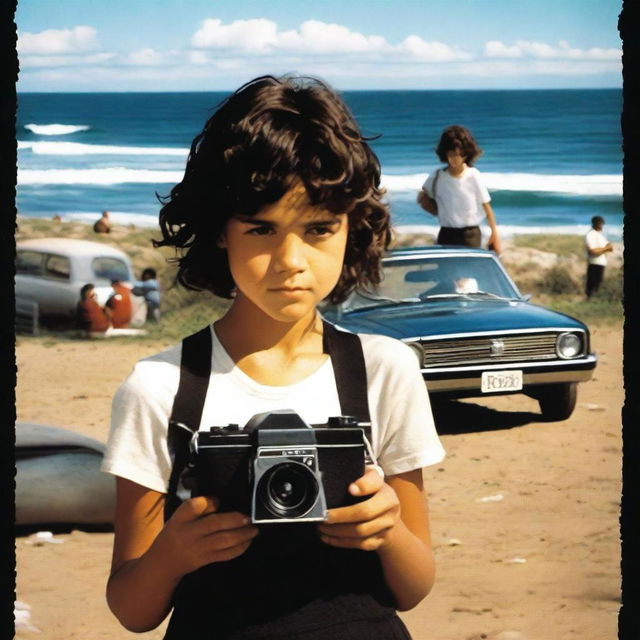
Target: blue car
point(473, 332)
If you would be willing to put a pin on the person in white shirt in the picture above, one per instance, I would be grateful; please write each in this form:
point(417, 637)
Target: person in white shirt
point(456, 193)
point(597, 247)
point(279, 209)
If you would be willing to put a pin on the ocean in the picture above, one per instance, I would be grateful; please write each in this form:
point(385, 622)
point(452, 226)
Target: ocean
point(552, 158)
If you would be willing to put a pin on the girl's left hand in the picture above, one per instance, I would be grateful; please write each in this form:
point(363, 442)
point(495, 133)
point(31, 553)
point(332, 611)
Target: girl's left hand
point(368, 525)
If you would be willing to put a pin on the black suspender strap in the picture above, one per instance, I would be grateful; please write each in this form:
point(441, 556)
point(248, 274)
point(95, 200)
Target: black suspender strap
point(186, 414)
point(195, 370)
point(347, 357)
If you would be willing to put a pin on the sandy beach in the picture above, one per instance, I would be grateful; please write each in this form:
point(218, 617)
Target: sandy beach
point(524, 513)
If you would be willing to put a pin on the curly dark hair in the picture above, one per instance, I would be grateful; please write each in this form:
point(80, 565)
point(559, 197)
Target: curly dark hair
point(269, 134)
point(460, 138)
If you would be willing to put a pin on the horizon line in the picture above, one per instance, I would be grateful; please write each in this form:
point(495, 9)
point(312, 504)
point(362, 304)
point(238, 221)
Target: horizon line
point(466, 89)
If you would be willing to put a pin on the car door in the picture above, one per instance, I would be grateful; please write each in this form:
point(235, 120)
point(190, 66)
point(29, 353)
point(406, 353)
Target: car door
point(46, 279)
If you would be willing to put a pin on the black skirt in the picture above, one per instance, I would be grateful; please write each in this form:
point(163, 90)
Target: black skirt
point(287, 587)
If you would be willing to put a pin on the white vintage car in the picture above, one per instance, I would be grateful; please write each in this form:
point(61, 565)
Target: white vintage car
point(51, 271)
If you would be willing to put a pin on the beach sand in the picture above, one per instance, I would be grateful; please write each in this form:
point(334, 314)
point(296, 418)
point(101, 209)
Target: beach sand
point(524, 514)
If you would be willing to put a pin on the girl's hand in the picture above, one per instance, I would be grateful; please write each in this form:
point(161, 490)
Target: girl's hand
point(427, 203)
point(196, 535)
point(495, 243)
point(368, 525)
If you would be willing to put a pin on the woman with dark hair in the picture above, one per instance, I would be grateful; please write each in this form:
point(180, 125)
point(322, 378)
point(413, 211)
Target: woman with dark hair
point(456, 193)
point(279, 209)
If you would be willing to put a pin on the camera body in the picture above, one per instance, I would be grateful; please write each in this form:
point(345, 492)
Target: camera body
point(279, 468)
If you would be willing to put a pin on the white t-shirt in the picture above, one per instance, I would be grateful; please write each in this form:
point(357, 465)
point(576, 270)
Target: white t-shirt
point(595, 240)
point(459, 199)
point(403, 435)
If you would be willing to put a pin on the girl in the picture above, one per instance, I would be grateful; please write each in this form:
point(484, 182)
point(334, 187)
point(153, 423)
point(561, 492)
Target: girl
point(279, 209)
point(456, 193)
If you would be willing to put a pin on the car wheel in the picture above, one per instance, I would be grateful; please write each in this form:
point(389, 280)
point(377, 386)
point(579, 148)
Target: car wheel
point(557, 401)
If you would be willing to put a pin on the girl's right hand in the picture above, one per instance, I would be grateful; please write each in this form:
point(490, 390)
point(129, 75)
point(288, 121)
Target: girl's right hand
point(197, 535)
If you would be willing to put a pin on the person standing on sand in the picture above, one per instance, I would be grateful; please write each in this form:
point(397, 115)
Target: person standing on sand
point(597, 247)
point(103, 224)
point(456, 193)
point(279, 209)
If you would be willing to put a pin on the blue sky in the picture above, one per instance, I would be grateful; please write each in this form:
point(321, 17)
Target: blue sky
point(192, 45)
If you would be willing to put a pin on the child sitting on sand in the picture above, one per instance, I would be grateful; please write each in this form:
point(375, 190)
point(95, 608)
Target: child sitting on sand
point(91, 316)
point(456, 194)
point(279, 209)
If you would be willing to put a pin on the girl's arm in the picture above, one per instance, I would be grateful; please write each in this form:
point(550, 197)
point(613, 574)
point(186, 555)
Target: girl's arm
point(427, 202)
point(394, 522)
point(150, 557)
point(494, 239)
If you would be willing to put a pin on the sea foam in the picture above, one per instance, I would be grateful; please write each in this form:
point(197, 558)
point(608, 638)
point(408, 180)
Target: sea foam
point(588, 185)
point(56, 129)
point(591, 185)
point(108, 176)
point(81, 149)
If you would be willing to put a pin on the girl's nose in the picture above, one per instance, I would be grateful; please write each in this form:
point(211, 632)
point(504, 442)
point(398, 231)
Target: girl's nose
point(289, 255)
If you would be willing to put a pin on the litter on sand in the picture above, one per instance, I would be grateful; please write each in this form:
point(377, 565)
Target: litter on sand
point(515, 561)
point(494, 498)
point(593, 407)
point(43, 537)
point(22, 617)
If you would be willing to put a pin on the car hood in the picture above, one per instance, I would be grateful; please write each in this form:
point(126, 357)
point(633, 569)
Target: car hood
point(445, 317)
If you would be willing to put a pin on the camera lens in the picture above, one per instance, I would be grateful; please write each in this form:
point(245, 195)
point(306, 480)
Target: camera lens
point(289, 490)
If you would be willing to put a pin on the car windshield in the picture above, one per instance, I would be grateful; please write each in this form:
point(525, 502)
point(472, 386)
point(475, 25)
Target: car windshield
point(424, 278)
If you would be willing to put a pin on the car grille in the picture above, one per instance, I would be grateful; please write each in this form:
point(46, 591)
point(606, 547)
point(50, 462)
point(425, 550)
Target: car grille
point(489, 349)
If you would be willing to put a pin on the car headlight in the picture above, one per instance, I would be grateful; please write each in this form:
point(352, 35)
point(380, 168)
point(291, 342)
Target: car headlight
point(569, 345)
point(416, 347)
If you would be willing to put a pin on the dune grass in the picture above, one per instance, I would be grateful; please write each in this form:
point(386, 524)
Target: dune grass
point(183, 312)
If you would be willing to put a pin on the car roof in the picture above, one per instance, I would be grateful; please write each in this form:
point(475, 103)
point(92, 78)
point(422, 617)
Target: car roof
point(70, 247)
point(438, 249)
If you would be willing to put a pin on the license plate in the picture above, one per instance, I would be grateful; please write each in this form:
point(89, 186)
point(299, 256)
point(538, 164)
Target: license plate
point(494, 381)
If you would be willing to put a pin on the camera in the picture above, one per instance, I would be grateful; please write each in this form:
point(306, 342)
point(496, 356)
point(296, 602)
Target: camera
point(279, 468)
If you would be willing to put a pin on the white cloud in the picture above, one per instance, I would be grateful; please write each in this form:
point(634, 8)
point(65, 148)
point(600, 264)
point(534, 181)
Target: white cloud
point(256, 35)
point(496, 49)
point(418, 49)
point(153, 58)
point(544, 51)
point(223, 55)
point(314, 37)
point(97, 59)
point(58, 41)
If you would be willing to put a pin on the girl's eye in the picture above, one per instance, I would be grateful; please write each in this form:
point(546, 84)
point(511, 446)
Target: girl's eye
point(320, 230)
point(261, 230)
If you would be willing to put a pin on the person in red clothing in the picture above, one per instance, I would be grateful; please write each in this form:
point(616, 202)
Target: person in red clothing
point(119, 306)
point(91, 316)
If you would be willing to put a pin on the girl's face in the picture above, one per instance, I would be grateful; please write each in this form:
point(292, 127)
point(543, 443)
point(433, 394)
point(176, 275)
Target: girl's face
point(288, 257)
point(455, 159)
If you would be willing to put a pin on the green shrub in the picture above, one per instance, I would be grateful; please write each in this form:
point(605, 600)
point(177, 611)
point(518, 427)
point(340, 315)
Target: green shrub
point(557, 280)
